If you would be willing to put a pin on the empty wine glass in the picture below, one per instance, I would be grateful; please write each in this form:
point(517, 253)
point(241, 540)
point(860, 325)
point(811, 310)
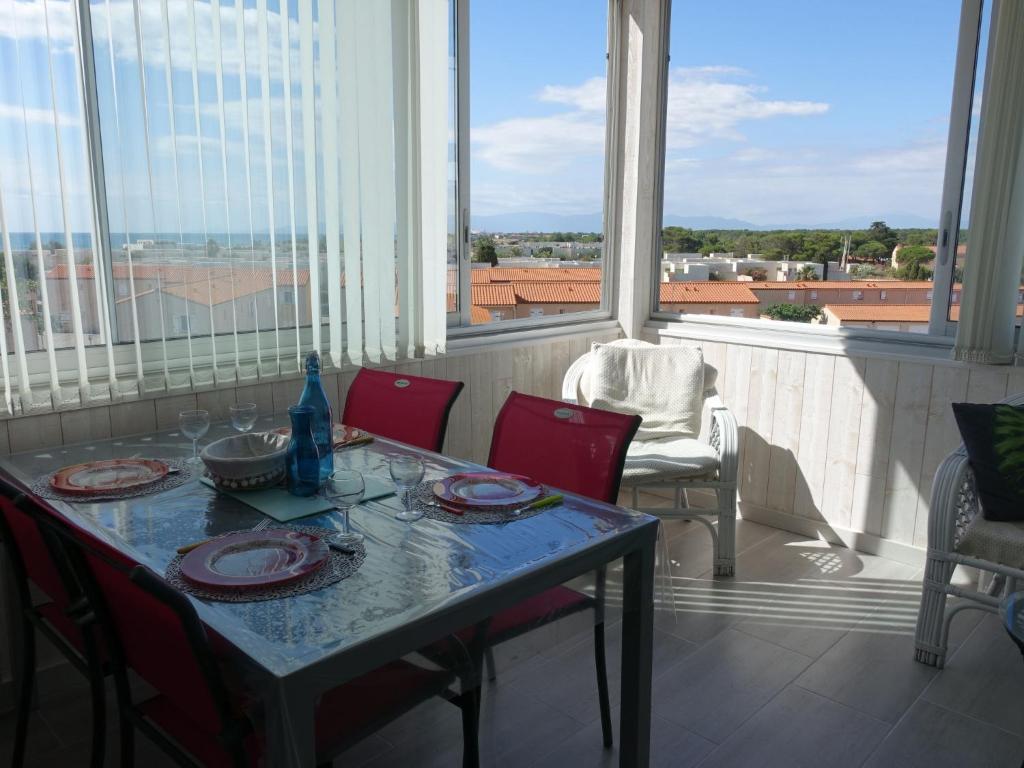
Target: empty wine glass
point(243, 416)
point(344, 489)
point(407, 471)
point(194, 425)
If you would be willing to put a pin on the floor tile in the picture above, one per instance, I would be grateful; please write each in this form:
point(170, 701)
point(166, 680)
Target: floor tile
point(717, 688)
point(671, 747)
point(934, 737)
point(799, 728)
point(984, 679)
point(568, 682)
point(872, 670)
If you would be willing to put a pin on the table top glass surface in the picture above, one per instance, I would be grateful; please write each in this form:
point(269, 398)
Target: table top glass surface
point(410, 570)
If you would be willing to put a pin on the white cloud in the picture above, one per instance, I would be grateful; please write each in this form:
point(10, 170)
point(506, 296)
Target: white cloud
point(703, 106)
point(591, 96)
point(36, 115)
point(539, 145)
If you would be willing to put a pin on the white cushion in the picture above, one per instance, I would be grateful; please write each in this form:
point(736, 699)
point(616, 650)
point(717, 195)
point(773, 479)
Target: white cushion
point(664, 385)
point(995, 541)
point(672, 458)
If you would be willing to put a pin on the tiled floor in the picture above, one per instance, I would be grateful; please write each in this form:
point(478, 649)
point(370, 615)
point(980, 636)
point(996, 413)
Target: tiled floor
point(804, 658)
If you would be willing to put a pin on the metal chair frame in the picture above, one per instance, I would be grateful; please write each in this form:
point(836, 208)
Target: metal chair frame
point(723, 436)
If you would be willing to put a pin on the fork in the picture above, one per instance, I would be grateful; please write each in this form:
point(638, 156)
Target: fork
point(260, 526)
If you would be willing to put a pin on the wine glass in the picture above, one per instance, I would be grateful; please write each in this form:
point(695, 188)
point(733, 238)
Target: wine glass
point(194, 424)
point(344, 489)
point(243, 416)
point(407, 471)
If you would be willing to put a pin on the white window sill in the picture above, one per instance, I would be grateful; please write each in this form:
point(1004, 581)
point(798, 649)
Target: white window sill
point(801, 337)
point(494, 335)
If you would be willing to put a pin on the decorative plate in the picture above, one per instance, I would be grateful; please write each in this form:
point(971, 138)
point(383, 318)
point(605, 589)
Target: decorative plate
point(342, 434)
point(487, 489)
point(255, 559)
point(97, 477)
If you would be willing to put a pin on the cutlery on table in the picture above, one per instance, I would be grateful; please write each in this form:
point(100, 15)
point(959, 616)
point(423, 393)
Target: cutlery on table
point(547, 501)
point(184, 550)
point(366, 439)
point(444, 507)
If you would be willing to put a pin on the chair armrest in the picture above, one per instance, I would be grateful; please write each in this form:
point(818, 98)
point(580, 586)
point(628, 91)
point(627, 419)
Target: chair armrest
point(953, 503)
point(723, 436)
point(571, 380)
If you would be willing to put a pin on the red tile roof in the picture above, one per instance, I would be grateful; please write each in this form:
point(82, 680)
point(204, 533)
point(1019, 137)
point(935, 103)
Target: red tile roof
point(490, 295)
point(773, 285)
point(881, 313)
point(541, 274)
point(710, 292)
point(479, 315)
point(557, 293)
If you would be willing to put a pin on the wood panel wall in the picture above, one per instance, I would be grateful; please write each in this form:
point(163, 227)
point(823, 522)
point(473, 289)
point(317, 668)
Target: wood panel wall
point(846, 446)
point(534, 367)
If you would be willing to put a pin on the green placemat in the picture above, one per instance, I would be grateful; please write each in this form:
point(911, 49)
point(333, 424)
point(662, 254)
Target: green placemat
point(280, 505)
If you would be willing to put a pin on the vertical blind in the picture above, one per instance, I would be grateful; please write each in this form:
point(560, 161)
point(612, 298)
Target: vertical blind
point(197, 192)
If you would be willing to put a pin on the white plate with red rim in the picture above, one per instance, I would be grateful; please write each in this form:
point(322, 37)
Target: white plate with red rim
point(487, 489)
point(108, 475)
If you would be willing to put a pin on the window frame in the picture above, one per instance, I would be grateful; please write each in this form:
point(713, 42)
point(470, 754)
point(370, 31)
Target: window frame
point(940, 328)
point(459, 321)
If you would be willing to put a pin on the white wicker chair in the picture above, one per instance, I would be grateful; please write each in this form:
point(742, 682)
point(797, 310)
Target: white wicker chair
point(957, 535)
point(716, 471)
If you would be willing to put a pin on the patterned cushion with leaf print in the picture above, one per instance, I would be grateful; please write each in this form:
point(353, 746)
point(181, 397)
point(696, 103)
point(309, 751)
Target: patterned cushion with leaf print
point(994, 438)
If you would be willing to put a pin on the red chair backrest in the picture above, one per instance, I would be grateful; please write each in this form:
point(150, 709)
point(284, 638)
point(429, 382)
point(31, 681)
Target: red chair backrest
point(158, 633)
point(33, 556)
point(410, 409)
point(572, 447)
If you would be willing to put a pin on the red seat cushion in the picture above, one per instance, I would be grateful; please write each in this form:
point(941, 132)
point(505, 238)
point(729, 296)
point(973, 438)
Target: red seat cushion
point(343, 713)
point(535, 611)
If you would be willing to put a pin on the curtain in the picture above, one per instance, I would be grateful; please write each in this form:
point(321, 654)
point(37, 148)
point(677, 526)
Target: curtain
point(198, 192)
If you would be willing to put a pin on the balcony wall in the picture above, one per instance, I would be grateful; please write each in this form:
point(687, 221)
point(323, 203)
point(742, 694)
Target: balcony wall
point(845, 446)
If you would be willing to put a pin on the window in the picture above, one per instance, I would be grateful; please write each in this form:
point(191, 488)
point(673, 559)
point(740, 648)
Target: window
point(775, 148)
point(530, 149)
point(178, 162)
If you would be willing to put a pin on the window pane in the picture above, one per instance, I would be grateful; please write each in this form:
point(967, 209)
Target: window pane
point(804, 166)
point(44, 177)
point(963, 234)
point(453, 157)
point(537, 129)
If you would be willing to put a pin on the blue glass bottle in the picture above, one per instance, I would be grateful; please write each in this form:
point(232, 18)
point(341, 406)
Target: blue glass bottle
point(313, 396)
point(303, 457)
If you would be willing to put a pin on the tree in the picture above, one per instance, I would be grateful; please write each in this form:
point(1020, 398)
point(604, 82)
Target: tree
point(881, 232)
point(757, 274)
point(873, 251)
point(913, 261)
point(794, 313)
point(806, 272)
point(484, 251)
point(679, 240)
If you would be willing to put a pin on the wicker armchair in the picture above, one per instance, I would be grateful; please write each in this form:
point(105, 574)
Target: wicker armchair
point(958, 535)
point(711, 465)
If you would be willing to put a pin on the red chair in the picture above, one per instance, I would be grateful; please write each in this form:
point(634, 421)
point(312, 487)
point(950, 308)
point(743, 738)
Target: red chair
point(576, 449)
point(196, 716)
point(410, 409)
point(62, 617)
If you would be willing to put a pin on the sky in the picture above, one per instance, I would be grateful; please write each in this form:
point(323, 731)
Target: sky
point(789, 113)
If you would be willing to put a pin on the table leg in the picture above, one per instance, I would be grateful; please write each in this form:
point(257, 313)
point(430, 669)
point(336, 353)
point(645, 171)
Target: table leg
point(291, 732)
point(637, 651)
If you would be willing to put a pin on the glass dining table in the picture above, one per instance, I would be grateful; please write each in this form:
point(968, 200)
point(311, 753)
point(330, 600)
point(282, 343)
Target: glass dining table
point(419, 583)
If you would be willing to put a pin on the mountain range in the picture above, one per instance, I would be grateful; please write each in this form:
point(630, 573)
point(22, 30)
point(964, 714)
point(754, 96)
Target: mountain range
point(536, 221)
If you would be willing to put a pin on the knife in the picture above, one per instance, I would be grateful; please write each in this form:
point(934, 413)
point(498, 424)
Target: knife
point(547, 501)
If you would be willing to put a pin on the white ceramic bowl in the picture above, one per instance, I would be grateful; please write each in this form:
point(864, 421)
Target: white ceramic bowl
point(246, 462)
